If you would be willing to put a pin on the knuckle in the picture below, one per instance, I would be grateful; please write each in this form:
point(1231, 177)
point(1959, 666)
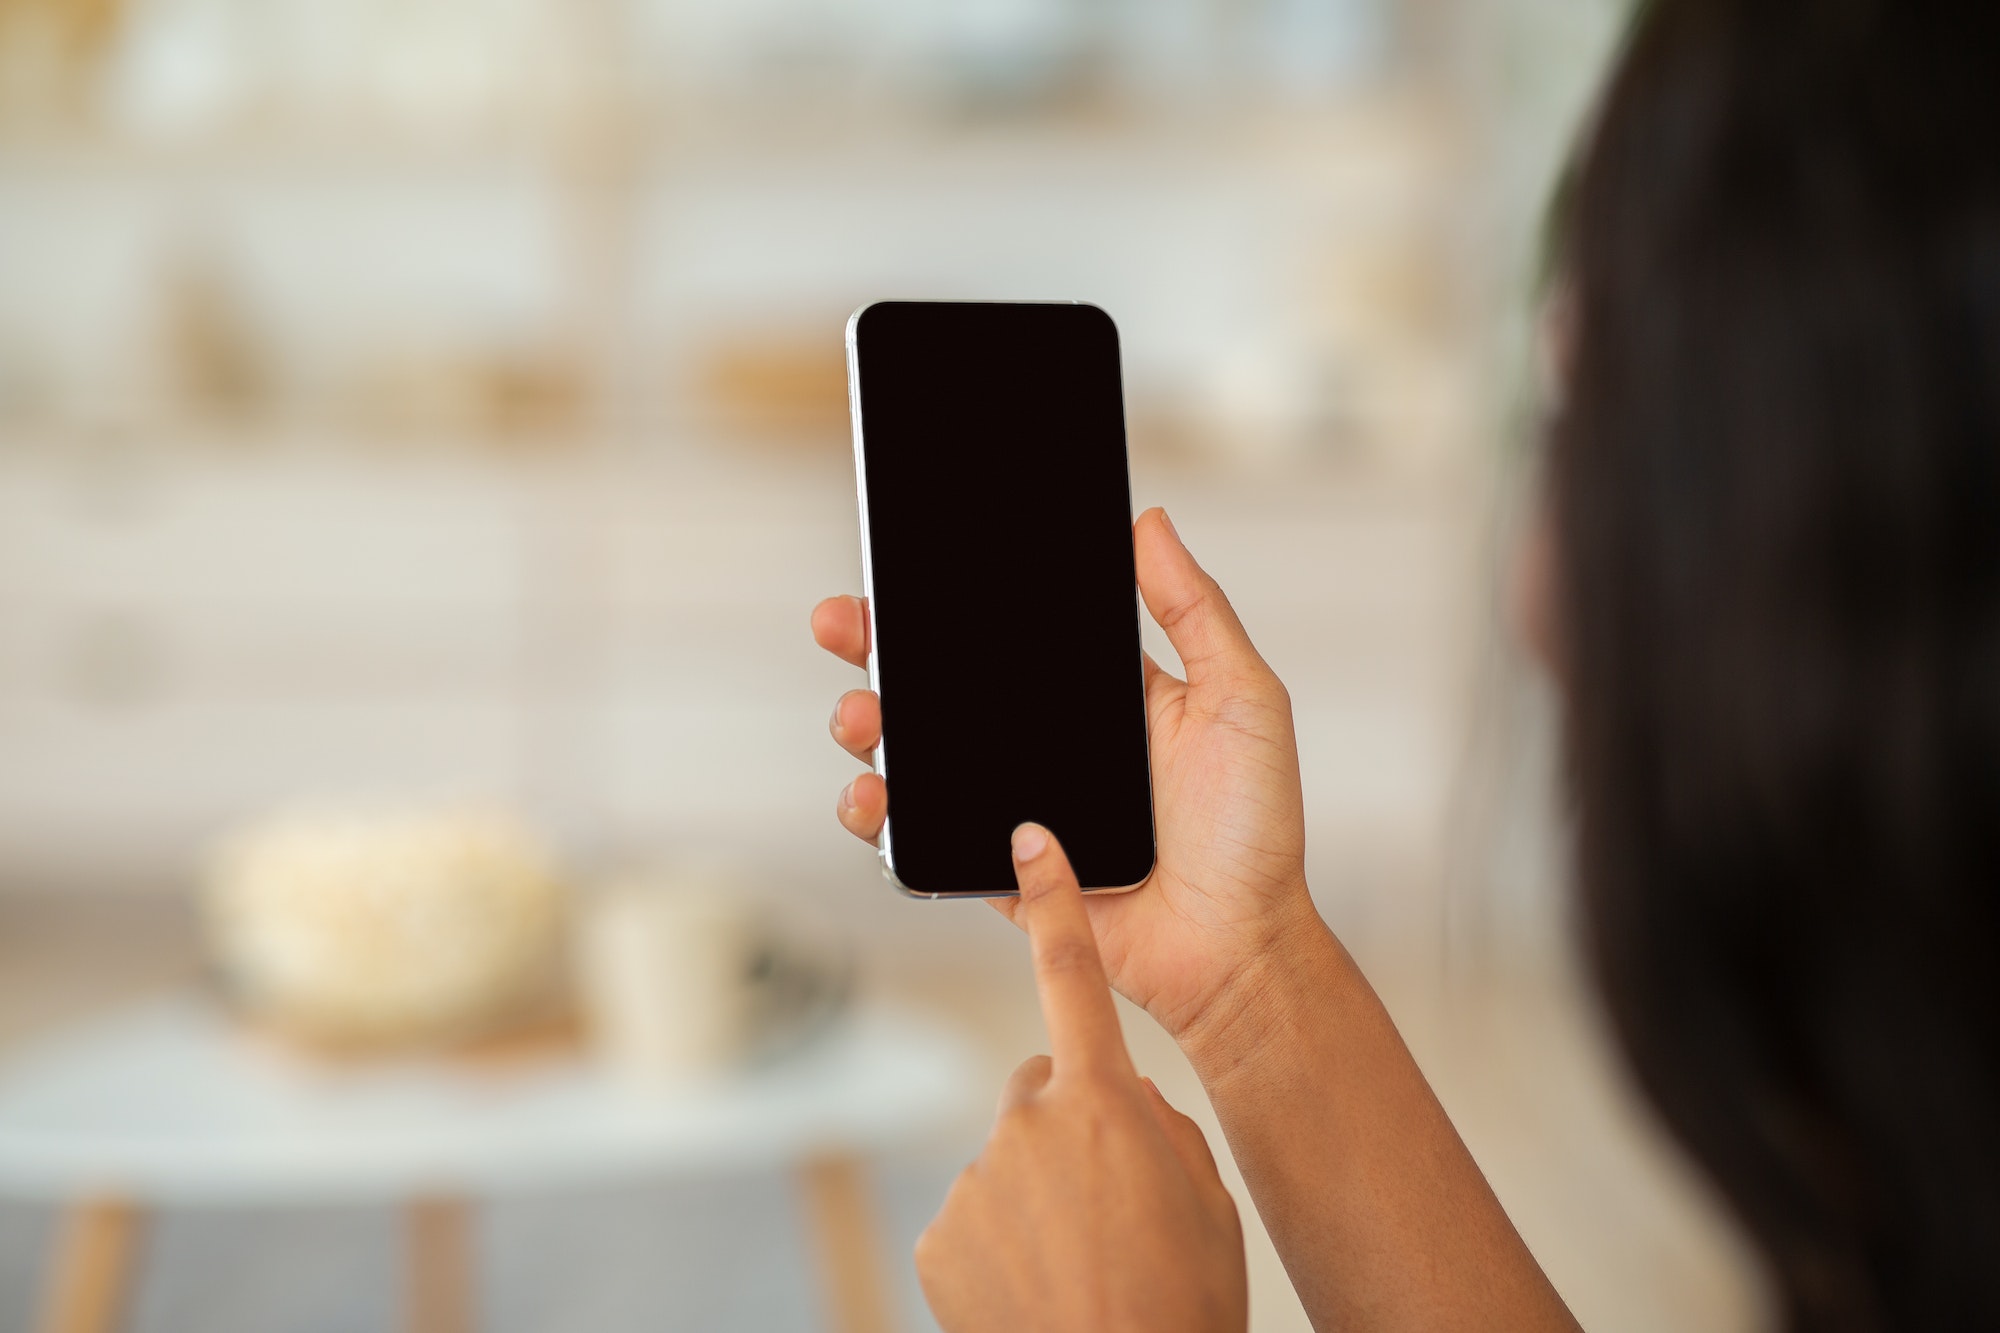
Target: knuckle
point(1070, 955)
point(1175, 614)
point(1280, 696)
point(1224, 1206)
point(1030, 1073)
point(926, 1249)
point(954, 1198)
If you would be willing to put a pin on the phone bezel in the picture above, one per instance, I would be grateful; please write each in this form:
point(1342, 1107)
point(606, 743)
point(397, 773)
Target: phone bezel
point(884, 855)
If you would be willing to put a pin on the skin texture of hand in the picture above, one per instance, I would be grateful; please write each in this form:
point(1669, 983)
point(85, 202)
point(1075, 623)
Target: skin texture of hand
point(1095, 1206)
point(1074, 1217)
point(1229, 886)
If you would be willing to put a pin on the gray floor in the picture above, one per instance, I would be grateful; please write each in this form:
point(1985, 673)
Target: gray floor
point(722, 1254)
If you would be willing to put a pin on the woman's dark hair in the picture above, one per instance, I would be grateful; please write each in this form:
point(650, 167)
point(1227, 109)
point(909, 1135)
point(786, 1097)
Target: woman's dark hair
point(1775, 483)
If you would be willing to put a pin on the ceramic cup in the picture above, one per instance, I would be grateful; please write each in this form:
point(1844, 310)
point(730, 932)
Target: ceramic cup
point(683, 977)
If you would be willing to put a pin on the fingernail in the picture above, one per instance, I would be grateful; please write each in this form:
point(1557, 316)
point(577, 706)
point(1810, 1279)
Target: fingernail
point(1030, 841)
point(834, 725)
point(847, 797)
point(1173, 531)
point(1149, 1083)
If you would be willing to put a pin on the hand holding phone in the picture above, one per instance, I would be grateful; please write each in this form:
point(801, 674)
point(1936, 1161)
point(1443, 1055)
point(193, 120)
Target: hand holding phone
point(1229, 887)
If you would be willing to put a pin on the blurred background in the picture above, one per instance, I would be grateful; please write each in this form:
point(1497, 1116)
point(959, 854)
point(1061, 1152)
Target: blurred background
point(423, 435)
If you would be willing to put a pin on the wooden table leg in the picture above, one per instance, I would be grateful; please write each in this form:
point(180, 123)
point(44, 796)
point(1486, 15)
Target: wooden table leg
point(439, 1239)
point(848, 1243)
point(90, 1276)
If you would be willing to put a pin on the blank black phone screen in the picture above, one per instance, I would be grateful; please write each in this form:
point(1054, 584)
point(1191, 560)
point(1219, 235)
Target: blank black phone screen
point(997, 516)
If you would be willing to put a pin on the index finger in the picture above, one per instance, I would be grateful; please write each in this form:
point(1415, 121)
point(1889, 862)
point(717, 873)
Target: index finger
point(1084, 1036)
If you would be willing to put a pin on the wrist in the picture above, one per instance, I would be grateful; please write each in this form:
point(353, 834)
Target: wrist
point(1263, 998)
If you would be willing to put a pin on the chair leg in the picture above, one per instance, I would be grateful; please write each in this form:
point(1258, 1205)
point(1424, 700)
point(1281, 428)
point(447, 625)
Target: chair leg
point(848, 1243)
point(90, 1277)
point(438, 1233)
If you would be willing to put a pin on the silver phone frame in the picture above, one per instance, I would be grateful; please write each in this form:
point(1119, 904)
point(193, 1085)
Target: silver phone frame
point(880, 764)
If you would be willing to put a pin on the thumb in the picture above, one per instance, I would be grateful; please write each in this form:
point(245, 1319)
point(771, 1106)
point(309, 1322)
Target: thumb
point(1199, 621)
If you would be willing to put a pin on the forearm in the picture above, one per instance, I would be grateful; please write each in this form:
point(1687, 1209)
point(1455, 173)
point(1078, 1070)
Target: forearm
point(1380, 1214)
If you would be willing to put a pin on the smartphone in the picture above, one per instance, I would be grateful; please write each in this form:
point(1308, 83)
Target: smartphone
point(996, 539)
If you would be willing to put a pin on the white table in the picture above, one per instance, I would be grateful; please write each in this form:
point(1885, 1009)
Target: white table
point(172, 1104)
